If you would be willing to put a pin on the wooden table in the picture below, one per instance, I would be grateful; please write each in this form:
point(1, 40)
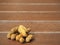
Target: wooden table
point(42, 16)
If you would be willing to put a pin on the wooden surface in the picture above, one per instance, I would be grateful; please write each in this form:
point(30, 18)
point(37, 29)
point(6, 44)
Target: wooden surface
point(39, 15)
point(30, 16)
point(40, 39)
point(42, 26)
point(30, 8)
point(32, 1)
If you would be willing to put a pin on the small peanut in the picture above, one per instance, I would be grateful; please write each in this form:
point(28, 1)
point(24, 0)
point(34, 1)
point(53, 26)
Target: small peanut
point(24, 34)
point(15, 29)
point(24, 28)
point(13, 36)
point(18, 37)
point(9, 35)
point(21, 40)
point(29, 37)
point(21, 30)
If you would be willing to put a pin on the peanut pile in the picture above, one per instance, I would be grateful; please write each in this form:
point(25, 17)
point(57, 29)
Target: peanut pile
point(20, 33)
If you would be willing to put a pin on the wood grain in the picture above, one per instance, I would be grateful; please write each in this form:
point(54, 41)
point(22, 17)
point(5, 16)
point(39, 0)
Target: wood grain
point(35, 26)
point(29, 8)
point(29, 16)
point(40, 39)
point(32, 1)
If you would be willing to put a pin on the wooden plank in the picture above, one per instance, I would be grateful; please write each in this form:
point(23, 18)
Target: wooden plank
point(29, 16)
point(39, 39)
point(32, 1)
point(35, 26)
point(29, 8)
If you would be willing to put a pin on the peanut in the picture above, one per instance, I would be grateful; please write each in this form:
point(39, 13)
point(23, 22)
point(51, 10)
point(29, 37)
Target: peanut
point(20, 33)
point(13, 36)
point(21, 40)
point(21, 30)
point(18, 37)
point(28, 38)
point(24, 28)
point(9, 35)
point(15, 29)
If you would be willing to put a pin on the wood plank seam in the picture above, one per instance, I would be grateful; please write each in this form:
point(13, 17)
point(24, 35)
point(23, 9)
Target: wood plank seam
point(51, 21)
point(29, 11)
point(37, 32)
point(29, 3)
point(32, 1)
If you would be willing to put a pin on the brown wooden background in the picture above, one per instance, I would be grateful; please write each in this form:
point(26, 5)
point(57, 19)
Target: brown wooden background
point(47, 14)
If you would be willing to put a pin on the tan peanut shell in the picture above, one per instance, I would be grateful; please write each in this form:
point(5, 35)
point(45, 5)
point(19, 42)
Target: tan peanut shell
point(20, 33)
point(9, 35)
point(15, 29)
point(21, 40)
point(13, 36)
point(22, 30)
point(28, 38)
point(18, 37)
